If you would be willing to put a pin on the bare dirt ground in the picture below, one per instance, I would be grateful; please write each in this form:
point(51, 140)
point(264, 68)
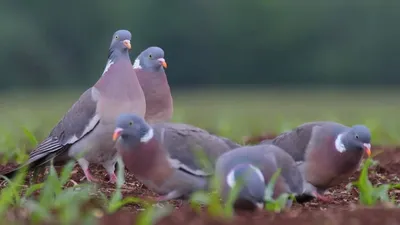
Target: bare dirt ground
point(342, 210)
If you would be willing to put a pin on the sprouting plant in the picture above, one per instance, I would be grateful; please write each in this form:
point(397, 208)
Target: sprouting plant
point(152, 214)
point(7, 142)
point(213, 199)
point(31, 137)
point(371, 194)
point(116, 201)
point(54, 203)
point(10, 195)
point(275, 205)
point(53, 197)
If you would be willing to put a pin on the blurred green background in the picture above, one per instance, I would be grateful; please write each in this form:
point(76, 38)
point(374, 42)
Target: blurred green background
point(64, 43)
point(236, 67)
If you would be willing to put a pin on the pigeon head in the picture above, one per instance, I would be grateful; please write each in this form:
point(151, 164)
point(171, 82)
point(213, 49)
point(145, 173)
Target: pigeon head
point(252, 181)
point(151, 59)
point(358, 137)
point(132, 130)
point(120, 43)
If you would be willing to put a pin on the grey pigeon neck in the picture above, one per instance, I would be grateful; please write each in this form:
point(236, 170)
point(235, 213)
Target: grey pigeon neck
point(115, 55)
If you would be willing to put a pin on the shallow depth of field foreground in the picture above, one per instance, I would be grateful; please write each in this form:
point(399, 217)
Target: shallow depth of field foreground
point(246, 116)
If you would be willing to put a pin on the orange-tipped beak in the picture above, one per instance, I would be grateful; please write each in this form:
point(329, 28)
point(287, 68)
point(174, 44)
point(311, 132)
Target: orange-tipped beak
point(117, 133)
point(127, 44)
point(367, 149)
point(163, 63)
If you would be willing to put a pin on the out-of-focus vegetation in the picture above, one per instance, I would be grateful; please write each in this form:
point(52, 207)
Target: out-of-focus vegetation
point(27, 118)
point(370, 194)
point(232, 113)
point(51, 43)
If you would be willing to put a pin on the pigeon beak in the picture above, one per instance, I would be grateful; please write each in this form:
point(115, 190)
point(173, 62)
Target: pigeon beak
point(163, 63)
point(367, 148)
point(127, 44)
point(117, 133)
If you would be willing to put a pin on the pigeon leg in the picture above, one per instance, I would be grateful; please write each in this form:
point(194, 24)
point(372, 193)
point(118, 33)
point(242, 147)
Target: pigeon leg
point(113, 178)
point(323, 198)
point(110, 168)
point(84, 164)
point(171, 195)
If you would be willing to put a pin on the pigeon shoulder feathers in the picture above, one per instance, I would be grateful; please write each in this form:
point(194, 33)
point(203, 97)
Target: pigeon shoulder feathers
point(295, 141)
point(80, 120)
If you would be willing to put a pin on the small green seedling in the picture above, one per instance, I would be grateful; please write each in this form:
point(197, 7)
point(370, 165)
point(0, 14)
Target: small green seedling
point(152, 214)
point(55, 198)
point(212, 198)
point(116, 201)
point(10, 195)
point(370, 194)
point(275, 205)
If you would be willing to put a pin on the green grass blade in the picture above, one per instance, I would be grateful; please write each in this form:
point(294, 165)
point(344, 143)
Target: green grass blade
point(113, 207)
point(269, 191)
point(31, 137)
point(153, 214)
point(66, 172)
point(32, 189)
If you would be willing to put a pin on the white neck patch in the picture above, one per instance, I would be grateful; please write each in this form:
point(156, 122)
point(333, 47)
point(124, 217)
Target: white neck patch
point(148, 136)
point(136, 64)
point(109, 63)
point(339, 144)
point(230, 179)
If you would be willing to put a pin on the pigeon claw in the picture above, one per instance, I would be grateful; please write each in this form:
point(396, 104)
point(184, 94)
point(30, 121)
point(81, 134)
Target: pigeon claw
point(89, 177)
point(113, 178)
point(323, 198)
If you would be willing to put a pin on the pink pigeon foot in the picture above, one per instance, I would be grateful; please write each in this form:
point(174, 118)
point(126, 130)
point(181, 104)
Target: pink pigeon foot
point(160, 198)
point(170, 196)
point(89, 176)
point(113, 178)
point(156, 199)
point(324, 198)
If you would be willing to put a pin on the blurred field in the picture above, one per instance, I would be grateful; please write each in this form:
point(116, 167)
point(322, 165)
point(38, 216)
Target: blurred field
point(232, 113)
point(28, 117)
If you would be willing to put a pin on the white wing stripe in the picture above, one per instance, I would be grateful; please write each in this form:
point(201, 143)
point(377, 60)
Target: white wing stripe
point(178, 165)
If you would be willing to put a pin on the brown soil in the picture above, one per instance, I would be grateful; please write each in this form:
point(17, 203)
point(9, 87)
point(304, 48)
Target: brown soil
point(342, 210)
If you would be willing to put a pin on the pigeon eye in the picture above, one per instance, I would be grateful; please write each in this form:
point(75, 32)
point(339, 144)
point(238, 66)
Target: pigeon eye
point(150, 56)
point(130, 123)
point(356, 136)
point(116, 37)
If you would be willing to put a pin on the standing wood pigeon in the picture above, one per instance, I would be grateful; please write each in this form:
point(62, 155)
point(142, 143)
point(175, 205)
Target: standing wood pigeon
point(256, 165)
point(89, 123)
point(163, 156)
point(149, 67)
point(327, 152)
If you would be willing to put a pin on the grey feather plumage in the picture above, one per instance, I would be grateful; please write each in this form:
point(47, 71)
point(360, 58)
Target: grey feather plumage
point(86, 128)
point(182, 140)
point(163, 156)
point(295, 141)
point(313, 145)
point(267, 158)
point(72, 124)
